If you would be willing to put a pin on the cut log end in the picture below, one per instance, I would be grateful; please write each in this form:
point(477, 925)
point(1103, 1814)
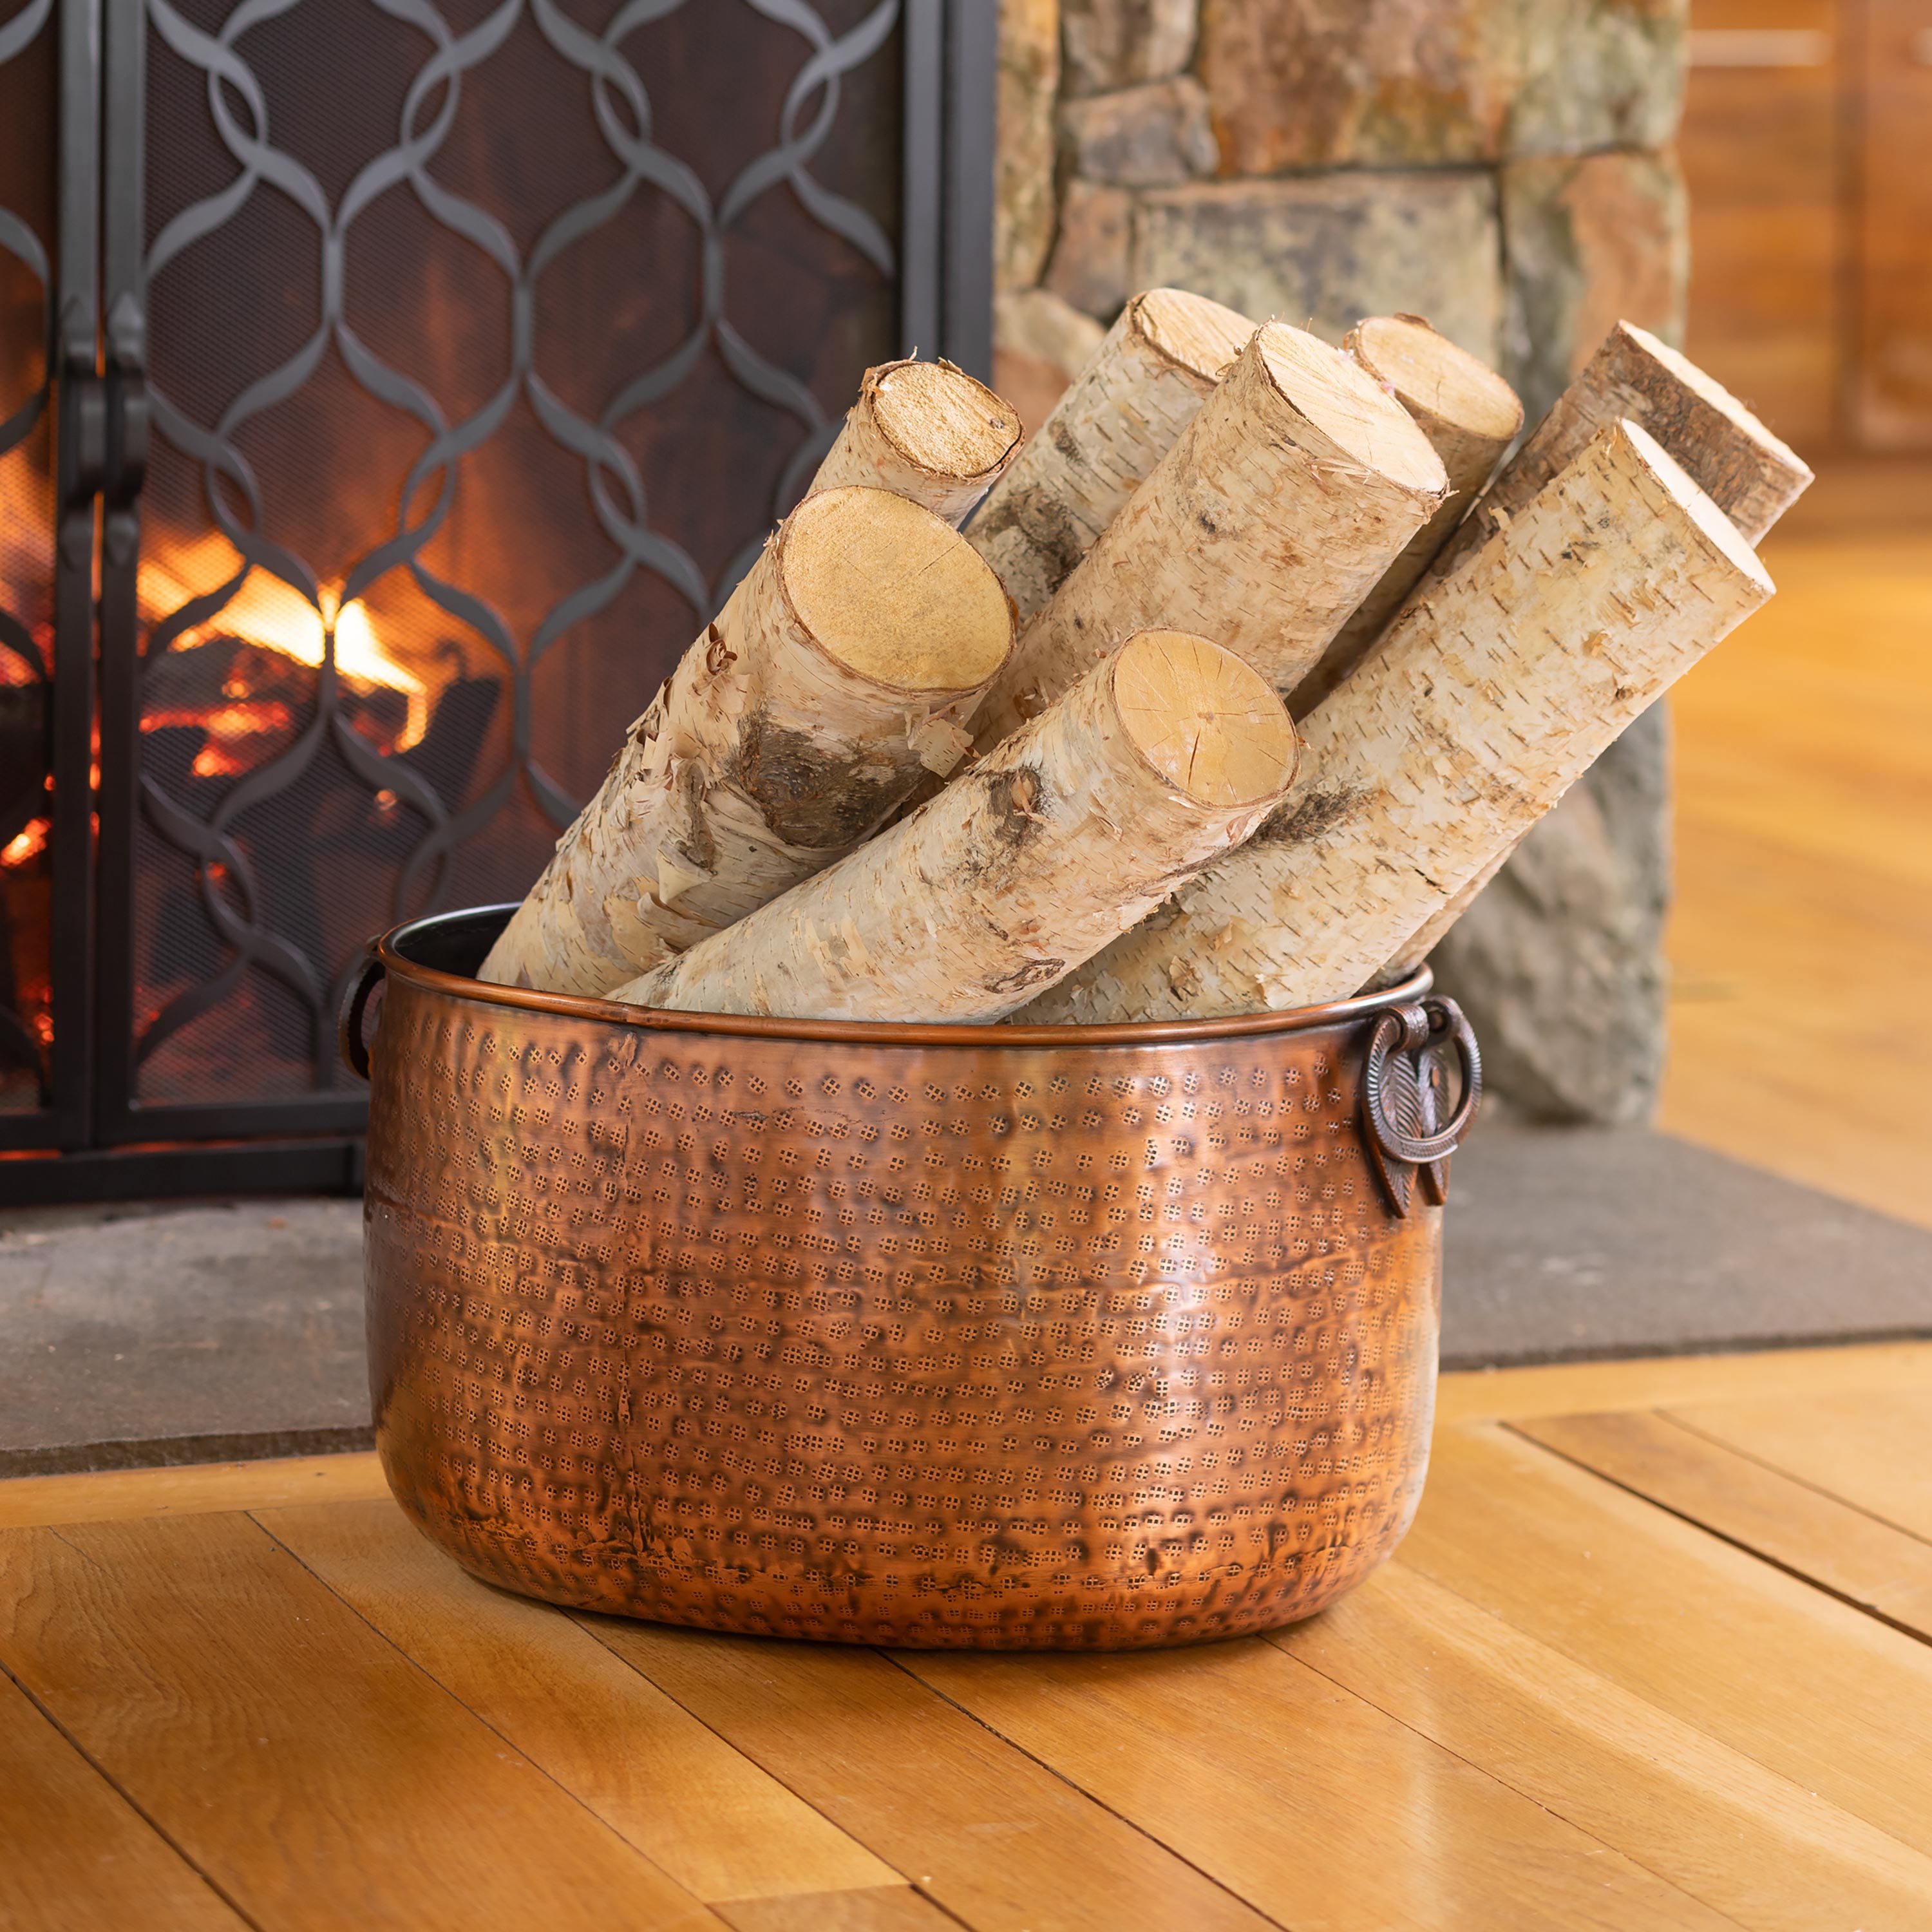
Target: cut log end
point(943, 422)
point(1198, 335)
point(1431, 377)
point(1719, 399)
point(894, 593)
point(1204, 718)
point(1365, 423)
point(1718, 530)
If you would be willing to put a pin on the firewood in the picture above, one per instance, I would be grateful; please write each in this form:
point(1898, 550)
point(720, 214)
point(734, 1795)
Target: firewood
point(839, 672)
point(1424, 940)
point(1750, 475)
point(1744, 469)
point(1278, 507)
point(926, 430)
point(1142, 388)
point(1158, 759)
point(1484, 701)
point(1470, 415)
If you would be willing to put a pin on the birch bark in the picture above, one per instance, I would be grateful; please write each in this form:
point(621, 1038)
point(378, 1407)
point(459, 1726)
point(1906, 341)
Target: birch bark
point(838, 675)
point(1277, 509)
point(1145, 383)
point(1159, 759)
point(1488, 697)
point(1470, 415)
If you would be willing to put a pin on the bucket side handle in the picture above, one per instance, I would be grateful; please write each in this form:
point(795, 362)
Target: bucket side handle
point(349, 1039)
point(1402, 1097)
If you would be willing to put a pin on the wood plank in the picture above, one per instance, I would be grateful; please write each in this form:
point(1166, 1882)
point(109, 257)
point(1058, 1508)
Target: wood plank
point(111, 1495)
point(1677, 1381)
point(996, 1839)
point(316, 1776)
point(1317, 1808)
point(1754, 1845)
point(1760, 152)
point(1892, 400)
point(1811, 1688)
point(1816, 1536)
point(882, 1908)
point(1874, 1449)
point(719, 1825)
point(75, 1856)
point(1802, 785)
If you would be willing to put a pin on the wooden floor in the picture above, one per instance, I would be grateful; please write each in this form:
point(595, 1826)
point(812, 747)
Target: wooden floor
point(1802, 946)
point(1658, 1653)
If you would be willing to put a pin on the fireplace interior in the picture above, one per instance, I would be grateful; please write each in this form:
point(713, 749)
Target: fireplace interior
point(388, 395)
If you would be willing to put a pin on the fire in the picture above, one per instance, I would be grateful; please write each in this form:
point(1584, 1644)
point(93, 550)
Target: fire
point(29, 842)
point(271, 614)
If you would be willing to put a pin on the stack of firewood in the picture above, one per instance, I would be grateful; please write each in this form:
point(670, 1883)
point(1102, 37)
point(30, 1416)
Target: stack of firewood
point(1045, 769)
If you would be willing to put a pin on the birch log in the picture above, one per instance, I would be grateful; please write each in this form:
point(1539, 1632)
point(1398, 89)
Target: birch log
point(1120, 418)
point(838, 675)
point(1278, 506)
point(1750, 475)
point(1470, 415)
point(1484, 701)
point(1744, 469)
point(1162, 757)
point(926, 430)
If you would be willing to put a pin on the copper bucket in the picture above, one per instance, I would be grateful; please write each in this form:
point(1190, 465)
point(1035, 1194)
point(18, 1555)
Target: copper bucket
point(1030, 1337)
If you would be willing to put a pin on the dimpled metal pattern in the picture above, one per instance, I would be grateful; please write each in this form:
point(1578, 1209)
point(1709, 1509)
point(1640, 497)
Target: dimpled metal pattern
point(1096, 1346)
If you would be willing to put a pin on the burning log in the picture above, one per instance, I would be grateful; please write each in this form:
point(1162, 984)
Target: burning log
point(839, 672)
point(925, 430)
point(1491, 694)
point(1277, 509)
point(1158, 759)
point(1470, 415)
point(1144, 385)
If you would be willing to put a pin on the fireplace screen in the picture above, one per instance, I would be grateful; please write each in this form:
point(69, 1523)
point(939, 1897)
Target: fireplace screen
point(456, 359)
point(29, 225)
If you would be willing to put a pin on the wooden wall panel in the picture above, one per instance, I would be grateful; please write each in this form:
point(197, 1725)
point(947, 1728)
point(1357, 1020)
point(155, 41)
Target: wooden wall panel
point(1759, 147)
point(1892, 385)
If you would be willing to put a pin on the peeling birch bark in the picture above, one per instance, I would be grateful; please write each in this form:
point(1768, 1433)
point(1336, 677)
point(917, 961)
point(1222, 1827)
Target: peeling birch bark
point(926, 430)
point(839, 673)
point(1159, 759)
point(1746, 471)
point(1277, 510)
point(1484, 701)
point(1142, 388)
point(1470, 415)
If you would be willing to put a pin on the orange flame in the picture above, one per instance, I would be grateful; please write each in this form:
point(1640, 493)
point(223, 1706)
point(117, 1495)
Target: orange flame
point(269, 612)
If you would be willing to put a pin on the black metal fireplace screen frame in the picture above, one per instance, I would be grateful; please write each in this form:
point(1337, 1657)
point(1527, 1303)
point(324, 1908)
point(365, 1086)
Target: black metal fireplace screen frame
point(94, 1139)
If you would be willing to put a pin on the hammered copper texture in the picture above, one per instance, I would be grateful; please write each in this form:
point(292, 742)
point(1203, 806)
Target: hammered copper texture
point(1093, 1347)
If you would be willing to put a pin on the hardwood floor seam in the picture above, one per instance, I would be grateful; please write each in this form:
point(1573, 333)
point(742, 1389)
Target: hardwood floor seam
point(1683, 1422)
point(430, 1677)
point(1757, 1555)
point(127, 1797)
point(1092, 1798)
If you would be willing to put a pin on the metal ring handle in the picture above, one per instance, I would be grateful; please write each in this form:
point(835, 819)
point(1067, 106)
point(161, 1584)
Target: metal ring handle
point(1412, 1026)
point(349, 1040)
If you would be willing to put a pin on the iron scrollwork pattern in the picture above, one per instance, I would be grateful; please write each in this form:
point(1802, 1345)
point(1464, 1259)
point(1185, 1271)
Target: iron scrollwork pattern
point(27, 533)
point(347, 779)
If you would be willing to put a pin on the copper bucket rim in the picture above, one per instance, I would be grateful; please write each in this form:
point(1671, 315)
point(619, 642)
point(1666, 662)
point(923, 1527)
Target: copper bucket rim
point(385, 955)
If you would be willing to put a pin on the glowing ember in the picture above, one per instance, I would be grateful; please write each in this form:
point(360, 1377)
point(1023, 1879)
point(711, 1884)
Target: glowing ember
point(29, 842)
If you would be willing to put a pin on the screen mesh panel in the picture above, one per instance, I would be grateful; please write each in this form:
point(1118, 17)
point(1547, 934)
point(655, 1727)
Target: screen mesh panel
point(485, 344)
point(28, 82)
